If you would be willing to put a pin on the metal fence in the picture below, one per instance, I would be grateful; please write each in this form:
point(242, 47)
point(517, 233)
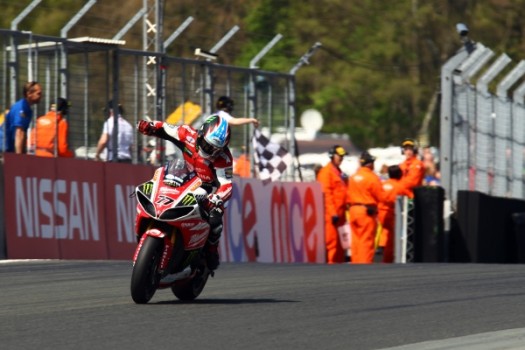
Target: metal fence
point(89, 72)
point(482, 125)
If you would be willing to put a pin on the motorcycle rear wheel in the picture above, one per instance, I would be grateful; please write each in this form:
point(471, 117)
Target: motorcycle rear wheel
point(145, 278)
point(190, 289)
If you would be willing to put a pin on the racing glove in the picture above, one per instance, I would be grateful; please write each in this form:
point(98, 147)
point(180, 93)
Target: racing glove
point(215, 208)
point(215, 203)
point(149, 128)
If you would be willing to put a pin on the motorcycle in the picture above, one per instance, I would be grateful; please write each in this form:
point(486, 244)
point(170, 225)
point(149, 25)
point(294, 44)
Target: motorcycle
point(172, 230)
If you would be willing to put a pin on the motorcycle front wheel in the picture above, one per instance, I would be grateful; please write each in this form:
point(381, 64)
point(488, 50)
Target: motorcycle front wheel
point(145, 278)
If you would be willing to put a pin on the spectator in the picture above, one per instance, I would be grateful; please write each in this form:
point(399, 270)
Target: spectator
point(431, 175)
point(19, 118)
point(44, 138)
point(363, 195)
point(242, 165)
point(334, 185)
point(125, 137)
point(412, 167)
point(225, 108)
point(2, 130)
point(392, 189)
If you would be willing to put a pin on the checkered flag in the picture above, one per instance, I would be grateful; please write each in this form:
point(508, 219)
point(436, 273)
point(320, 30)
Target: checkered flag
point(270, 157)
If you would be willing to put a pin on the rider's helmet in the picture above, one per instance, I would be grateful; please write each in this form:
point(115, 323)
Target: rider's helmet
point(224, 103)
point(213, 136)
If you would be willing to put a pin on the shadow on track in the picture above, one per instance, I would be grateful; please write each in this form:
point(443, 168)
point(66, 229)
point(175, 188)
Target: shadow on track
point(223, 301)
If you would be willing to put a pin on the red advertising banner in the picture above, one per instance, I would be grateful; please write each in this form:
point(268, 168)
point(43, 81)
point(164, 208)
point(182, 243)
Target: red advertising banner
point(30, 193)
point(120, 183)
point(62, 208)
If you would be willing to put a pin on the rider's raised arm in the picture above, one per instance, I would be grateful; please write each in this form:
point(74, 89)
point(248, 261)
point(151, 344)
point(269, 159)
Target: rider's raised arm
point(164, 131)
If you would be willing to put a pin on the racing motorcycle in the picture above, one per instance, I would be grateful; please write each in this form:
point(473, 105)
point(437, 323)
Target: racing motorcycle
point(172, 230)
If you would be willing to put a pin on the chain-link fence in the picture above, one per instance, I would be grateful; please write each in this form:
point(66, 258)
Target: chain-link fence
point(89, 72)
point(482, 132)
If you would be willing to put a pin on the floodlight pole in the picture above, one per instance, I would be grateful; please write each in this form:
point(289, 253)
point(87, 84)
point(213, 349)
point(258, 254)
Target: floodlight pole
point(291, 105)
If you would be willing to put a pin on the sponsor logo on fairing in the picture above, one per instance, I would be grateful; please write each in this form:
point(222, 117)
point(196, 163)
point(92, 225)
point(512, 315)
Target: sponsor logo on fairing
point(197, 238)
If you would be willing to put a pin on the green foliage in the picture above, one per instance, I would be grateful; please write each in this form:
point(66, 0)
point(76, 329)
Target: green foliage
point(377, 69)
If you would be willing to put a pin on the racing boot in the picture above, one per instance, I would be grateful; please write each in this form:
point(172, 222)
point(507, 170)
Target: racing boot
point(212, 248)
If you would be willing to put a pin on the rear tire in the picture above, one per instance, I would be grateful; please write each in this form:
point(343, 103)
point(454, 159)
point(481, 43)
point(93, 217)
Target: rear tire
point(190, 289)
point(145, 278)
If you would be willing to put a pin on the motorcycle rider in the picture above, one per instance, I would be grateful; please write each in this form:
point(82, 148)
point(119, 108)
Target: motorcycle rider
point(206, 149)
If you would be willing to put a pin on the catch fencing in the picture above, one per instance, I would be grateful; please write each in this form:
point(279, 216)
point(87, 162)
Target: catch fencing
point(482, 124)
point(89, 72)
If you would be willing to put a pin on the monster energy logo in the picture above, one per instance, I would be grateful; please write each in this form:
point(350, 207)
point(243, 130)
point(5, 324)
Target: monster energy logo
point(188, 200)
point(147, 188)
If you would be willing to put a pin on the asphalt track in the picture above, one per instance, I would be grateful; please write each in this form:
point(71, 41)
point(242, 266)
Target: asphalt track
point(86, 305)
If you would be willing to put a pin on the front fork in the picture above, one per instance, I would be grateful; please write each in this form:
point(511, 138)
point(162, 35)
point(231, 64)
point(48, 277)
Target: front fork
point(167, 250)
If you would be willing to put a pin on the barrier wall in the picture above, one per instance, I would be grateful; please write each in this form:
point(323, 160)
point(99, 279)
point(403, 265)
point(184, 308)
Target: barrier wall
point(77, 209)
point(486, 231)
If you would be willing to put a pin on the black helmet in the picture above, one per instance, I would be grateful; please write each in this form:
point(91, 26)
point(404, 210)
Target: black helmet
point(225, 103)
point(62, 105)
point(366, 158)
point(213, 136)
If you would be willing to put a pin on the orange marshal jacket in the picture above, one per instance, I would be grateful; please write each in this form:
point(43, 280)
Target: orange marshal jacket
point(364, 187)
point(413, 174)
point(392, 188)
point(43, 136)
point(334, 189)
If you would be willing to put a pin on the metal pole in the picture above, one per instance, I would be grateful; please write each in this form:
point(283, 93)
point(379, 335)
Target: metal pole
point(76, 18)
point(24, 13)
point(13, 64)
point(446, 145)
point(291, 104)
point(63, 34)
point(224, 39)
point(130, 24)
point(177, 32)
point(208, 83)
point(304, 59)
point(116, 114)
point(264, 51)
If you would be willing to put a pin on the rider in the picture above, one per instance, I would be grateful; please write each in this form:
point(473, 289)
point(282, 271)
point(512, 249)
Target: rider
point(207, 150)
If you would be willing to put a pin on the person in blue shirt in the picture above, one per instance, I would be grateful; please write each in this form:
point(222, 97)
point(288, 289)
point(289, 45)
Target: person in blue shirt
point(19, 118)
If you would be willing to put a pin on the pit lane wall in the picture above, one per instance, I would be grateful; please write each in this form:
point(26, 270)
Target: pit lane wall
point(79, 209)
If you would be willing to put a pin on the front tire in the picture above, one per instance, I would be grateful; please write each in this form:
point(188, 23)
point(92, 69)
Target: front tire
point(145, 278)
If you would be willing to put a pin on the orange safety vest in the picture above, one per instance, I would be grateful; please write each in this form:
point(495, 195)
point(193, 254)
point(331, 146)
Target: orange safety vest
point(364, 187)
point(413, 174)
point(334, 187)
point(43, 136)
point(242, 166)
